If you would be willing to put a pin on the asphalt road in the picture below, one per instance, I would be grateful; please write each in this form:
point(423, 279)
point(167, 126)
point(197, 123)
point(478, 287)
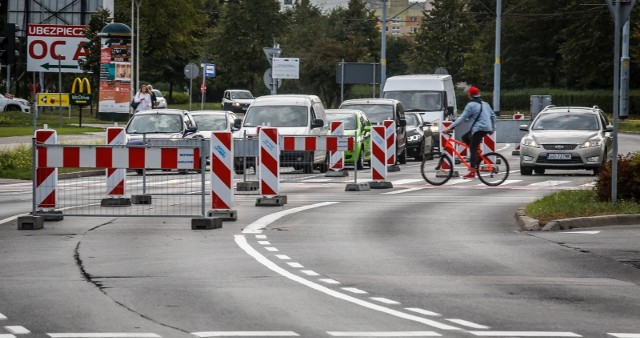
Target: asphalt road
point(414, 260)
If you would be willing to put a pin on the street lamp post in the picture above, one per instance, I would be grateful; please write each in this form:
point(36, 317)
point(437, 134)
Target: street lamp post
point(383, 48)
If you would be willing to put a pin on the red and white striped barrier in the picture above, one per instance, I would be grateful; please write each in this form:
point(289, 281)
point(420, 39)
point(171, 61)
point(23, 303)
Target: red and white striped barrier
point(119, 157)
point(443, 139)
point(390, 136)
point(116, 177)
point(310, 143)
point(221, 145)
point(489, 145)
point(518, 116)
point(269, 157)
point(336, 158)
point(46, 175)
point(378, 153)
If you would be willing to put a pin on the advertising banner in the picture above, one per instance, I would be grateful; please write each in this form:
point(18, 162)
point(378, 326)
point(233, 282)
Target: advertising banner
point(115, 75)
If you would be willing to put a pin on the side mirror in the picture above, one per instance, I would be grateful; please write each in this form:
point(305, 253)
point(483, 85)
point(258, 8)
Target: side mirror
point(402, 123)
point(367, 128)
point(317, 123)
point(524, 127)
point(608, 128)
point(450, 110)
point(237, 124)
point(426, 124)
point(191, 130)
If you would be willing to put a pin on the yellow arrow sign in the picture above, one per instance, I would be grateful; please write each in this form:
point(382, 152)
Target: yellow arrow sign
point(53, 99)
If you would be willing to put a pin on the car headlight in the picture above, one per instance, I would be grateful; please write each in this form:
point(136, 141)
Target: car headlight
point(596, 142)
point(530, 142)
point(413, 138)
point(236, 104)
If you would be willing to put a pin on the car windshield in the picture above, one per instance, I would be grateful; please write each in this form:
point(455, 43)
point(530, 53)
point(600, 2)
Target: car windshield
point(155, 123)
point(417, 100)
point(157, 93)
point(211, 122)
point(348, 120)
point(241, 95)
point(276, 116)
point(566, 121)
point(376, 113)
point(412, 120)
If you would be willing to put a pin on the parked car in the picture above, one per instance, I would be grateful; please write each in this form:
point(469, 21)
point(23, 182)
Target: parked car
point(566, 138)
point(237, 100)
point(164, 124)
point(292, 115)
point(209, 121)
point(161, 102)
point(10, 103)
point(378, 110)
point(419, 136)
point(356, 124)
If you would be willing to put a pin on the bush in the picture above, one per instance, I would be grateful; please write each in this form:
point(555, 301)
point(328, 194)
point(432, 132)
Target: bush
point(628, 187)
point(16, 162)
point(176, 98)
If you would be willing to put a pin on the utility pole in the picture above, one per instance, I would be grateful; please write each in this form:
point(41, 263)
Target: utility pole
point(383, 48)
point(496, 67)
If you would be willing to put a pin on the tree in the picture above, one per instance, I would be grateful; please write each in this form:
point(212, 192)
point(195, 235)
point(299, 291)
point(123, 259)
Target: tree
point(91, 64)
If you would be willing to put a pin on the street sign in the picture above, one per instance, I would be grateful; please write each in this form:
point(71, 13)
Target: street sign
point(203, 88)
point(81, 92)
point(271, 53)
point(286, 68)
point(268, 80)
point(209, 69)
point(48, 43)
point(191, 71)
point(53, 99)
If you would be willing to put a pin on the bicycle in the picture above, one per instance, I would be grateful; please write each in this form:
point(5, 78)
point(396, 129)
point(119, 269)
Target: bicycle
point(437, 167)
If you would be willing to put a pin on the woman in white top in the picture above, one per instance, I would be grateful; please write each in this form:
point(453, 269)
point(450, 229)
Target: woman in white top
point(143, 98)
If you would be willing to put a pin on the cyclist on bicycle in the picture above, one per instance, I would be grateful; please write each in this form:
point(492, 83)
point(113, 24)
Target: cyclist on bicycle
point(484, 123)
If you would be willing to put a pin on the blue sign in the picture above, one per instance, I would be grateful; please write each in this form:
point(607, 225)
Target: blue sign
point(209, 70)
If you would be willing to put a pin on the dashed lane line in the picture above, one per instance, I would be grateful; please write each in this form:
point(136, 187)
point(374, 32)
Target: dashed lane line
point(241, 241)
point(7, 336)
point(17, 329)
point(245, 334)
point(104, 335)
point(524, 334)
point(384, 300)
point(467, 323)
point(625, 335)
point(395, 192)
point(355, 290)
point(385, 334)
point(2, 317)
point(423, 311)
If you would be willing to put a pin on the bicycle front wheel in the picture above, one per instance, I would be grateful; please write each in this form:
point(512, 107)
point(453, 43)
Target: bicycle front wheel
point(436, 168)
point(493, 169)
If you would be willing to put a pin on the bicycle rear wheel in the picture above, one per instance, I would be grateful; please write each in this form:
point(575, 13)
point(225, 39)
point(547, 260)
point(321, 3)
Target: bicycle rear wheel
point(436, 168)
point(495, 172)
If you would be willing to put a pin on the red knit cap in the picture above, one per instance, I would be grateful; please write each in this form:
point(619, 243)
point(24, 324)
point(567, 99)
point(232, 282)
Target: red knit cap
point(474, 91)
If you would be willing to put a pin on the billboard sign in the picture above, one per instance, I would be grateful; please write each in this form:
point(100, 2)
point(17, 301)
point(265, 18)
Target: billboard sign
point(55, 48)
point(286, 68)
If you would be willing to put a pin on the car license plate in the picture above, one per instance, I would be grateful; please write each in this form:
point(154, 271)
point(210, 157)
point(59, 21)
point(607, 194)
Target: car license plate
point(558, 156)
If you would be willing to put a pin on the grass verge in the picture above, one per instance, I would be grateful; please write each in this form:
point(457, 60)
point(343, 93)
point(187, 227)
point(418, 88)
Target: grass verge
point(576, 203)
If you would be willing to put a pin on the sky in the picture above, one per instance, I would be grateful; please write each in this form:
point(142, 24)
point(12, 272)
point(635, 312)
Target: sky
point(330, 4)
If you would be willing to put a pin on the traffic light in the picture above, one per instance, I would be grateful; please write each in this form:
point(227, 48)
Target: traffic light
point(8, 52)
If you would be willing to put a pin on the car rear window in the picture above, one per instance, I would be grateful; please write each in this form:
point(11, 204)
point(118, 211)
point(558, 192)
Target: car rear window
point(348, 120)
point(155, 123)
point(277, 116)
point(376, 113)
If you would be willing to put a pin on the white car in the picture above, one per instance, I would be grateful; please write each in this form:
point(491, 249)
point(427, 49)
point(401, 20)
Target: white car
point(9, 103)
point(566, 138)
point(161, 102)
point(237, 100)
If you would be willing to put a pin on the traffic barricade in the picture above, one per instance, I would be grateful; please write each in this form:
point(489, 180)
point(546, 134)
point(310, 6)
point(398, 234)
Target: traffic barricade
point(379, 158)
point(390, 136)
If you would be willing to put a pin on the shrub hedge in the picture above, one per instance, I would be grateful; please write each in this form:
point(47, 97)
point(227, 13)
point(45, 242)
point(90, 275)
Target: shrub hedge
point(628, 187)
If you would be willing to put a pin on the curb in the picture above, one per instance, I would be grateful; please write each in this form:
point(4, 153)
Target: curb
point(79, 174)
point(527, 223)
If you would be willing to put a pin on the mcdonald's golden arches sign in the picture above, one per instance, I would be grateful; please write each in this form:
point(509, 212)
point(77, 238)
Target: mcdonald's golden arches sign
point(81, 92)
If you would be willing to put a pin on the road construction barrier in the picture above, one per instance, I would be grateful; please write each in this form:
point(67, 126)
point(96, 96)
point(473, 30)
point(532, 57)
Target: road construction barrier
point(390, 136)
point(443, 139)
point(116, 177)
point(46, 176)
point(378, 157)
point(221, 145)
point(336, 158)
point(518, 116)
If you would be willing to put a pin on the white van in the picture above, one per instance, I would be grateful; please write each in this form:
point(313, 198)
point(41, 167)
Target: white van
point(432, 95)
point(292, 115)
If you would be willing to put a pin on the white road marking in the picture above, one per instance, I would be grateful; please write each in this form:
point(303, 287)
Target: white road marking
point(355, 290)
point(295, 265)
point(261, 236)
point(7, 336)
point(385, 334)
point(329, 281)
point(257, 226)
point(468, 323)
point(408, 180)
point(310, 273)
point(395, 192)
point(523, 334)
point(318, 180)
point(264, 242)
point(505, 182)
point(104, 335)
point(625, 335)
point(242, 243)
point(283, 257)
point(423, 312)
point(548, 183)
point(594, 232)
point(17, 329)
point(2, 317)
point(245, 334)
point(270, 248)
point(457, 181)
point(384, 300)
